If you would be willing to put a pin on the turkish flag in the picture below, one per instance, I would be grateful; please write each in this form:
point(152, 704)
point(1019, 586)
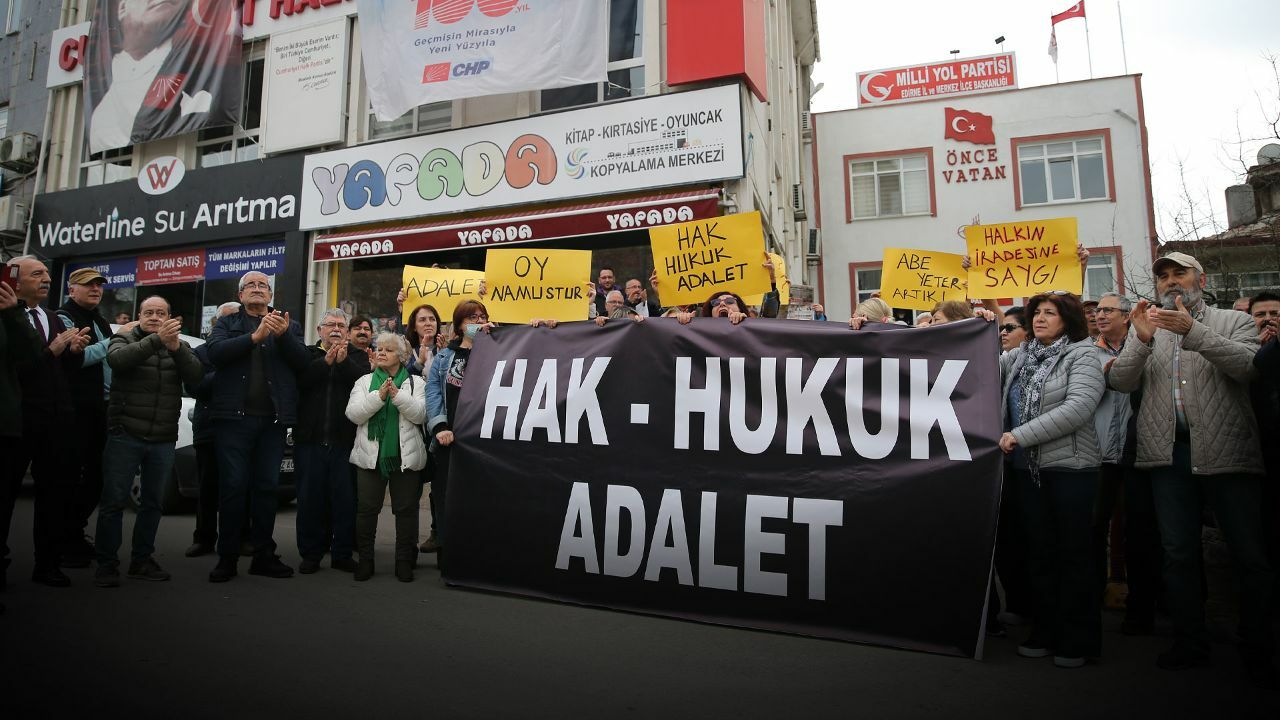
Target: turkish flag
point(970, 127)
point(1075, 11)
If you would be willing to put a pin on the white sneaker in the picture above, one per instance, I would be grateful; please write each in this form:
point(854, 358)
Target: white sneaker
point(1068, 662)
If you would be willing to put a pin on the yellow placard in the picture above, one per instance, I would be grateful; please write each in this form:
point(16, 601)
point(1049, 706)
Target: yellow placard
point(1023, 258)
point(527, 283)
point(441, 288)
point(920, 279)
point(695, 260)
point(779, 278)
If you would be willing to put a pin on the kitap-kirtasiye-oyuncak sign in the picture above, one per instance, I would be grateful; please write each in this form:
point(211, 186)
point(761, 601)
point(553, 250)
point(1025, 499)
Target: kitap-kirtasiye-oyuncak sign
point(673, 139)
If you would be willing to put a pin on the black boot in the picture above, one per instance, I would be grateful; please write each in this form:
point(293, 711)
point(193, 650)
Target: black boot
point(404, 570)
point(364, 570)
point(224, 570)
point(269, 565)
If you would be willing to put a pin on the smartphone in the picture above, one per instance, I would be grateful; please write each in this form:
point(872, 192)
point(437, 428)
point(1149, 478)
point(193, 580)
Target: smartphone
point(10, 276)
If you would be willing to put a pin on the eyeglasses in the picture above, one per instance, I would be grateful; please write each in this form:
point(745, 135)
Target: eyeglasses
point(1059, 292)
point(1009, 327)
point(723, 301)
point(256, 284)
point(478, 317)
point(334, 325)
point(1108, 310)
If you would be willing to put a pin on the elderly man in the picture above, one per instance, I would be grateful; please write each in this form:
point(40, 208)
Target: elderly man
point(47, 412)
point(257, 353)
point(616, 308)
point(89, 387)
point(150, 363)
point(323, 440)
point(1196, 435)
point(638, 299)
point(19, 346)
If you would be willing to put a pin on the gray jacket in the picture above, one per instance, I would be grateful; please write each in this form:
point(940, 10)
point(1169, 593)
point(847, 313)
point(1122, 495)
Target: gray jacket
point(1112, 418)
point(1064, 429)
point(1217, 364)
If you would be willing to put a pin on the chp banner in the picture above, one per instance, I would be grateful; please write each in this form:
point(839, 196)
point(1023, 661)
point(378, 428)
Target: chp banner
point(721, 254)
point(776, 475)
point(432, 50)
point(159, 69)
point(1023, 258)
point(441, 288)
point(529, 283)
point(920, 279)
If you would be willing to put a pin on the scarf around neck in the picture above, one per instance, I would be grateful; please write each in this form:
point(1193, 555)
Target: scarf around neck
point(1040, 361)
point(384, 426)
point(84, 318)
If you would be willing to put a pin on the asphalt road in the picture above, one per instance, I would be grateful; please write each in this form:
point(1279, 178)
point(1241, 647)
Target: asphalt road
point(325, 646)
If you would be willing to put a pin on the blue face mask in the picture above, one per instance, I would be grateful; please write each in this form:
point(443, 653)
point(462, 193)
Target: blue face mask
point(472, 330)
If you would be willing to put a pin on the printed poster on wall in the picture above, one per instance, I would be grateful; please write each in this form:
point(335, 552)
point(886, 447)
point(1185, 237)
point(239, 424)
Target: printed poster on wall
point(427, 51)
point(661, 141)
point(306, 78)
point(155, 70)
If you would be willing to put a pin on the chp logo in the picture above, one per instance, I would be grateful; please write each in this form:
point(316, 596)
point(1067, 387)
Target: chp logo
point(161, 175)
point(448, 12)
point(440, 72)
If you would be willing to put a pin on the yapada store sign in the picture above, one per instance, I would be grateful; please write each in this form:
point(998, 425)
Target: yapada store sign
point(199, 206)
point(674, 139)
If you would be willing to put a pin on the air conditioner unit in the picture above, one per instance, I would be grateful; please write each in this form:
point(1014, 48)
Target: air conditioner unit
point(806, 128)
point(797, 201)
point(13, 215)
point(19, 152)
point(813, 248)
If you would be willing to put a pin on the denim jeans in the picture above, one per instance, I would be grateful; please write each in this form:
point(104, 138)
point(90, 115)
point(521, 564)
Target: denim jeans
point(123, 458)
point(326, 500)
point(1236, 503)
point(1058, 518)
point(249, 454)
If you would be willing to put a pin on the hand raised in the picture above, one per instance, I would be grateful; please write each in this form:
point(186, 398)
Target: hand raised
point(61, 341)
point(1175, 321)
point(1141, 321)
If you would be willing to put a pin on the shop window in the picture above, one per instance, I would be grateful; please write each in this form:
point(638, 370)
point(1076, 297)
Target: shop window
point(107, 166)
point(422, 119)
point(231, 144)
point(1099, 275)
point(626, 62)
point(889, 186)
point(1064, 170)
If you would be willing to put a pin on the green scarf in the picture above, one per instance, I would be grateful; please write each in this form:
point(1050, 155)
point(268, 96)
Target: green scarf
point(384, 426)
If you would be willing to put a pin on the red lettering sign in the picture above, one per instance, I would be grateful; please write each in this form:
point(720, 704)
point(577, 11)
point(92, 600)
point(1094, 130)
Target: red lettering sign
point(448, 12)
point(168, 268)
point(922, 82)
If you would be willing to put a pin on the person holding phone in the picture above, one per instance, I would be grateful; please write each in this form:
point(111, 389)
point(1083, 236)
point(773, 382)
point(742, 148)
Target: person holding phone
point(19, 346)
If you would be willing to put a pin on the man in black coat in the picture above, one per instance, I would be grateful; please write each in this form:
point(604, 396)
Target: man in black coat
point(47, 412)
point(258, 352)
point(149, 364)
point(323, 437)
point(19, 346)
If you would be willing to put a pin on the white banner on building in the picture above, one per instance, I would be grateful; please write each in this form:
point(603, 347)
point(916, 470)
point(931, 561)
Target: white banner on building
point(672, 139)
point(306, 72)
point(432, 50)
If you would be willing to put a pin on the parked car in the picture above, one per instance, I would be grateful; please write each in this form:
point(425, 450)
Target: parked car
point(183, 487)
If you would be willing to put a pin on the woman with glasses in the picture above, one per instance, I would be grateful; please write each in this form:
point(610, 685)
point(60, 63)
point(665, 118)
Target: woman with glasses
point(388, 407)
point(1052, 386)
point(444, 386)
point(720, 305)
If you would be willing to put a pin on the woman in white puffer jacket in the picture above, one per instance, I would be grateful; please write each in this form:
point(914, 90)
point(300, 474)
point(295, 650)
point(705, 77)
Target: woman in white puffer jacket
point(388, 406)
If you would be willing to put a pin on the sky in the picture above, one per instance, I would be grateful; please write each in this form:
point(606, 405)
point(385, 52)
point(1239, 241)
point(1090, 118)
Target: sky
point(1203, 65)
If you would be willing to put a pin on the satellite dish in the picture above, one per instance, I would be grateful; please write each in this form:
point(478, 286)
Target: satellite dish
point(1268, 154)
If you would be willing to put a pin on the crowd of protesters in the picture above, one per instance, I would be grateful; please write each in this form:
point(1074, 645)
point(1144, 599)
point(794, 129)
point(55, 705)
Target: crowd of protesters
point(1123, 422)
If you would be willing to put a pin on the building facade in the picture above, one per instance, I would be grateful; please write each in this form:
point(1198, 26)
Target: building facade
point(662, 64)
point(915, 174)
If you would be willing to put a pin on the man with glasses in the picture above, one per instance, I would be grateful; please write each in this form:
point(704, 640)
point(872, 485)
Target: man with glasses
point(637, 299)
point(1198, 437)
point(323, 440)
point(257, 353)
point(1140, 543)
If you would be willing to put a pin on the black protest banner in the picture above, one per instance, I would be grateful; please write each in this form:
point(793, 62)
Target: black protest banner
point(785, 475)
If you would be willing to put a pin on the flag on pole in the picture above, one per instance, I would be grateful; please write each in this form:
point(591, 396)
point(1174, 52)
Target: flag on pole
point(1075, 11)
point(1053, 45)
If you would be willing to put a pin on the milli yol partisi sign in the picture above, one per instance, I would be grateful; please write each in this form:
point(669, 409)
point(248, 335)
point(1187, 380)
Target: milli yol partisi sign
point(672, 139)
point(930, 80)
point(198, 206)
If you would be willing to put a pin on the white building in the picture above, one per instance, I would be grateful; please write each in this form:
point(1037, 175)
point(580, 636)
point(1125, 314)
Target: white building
point(887, 176)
